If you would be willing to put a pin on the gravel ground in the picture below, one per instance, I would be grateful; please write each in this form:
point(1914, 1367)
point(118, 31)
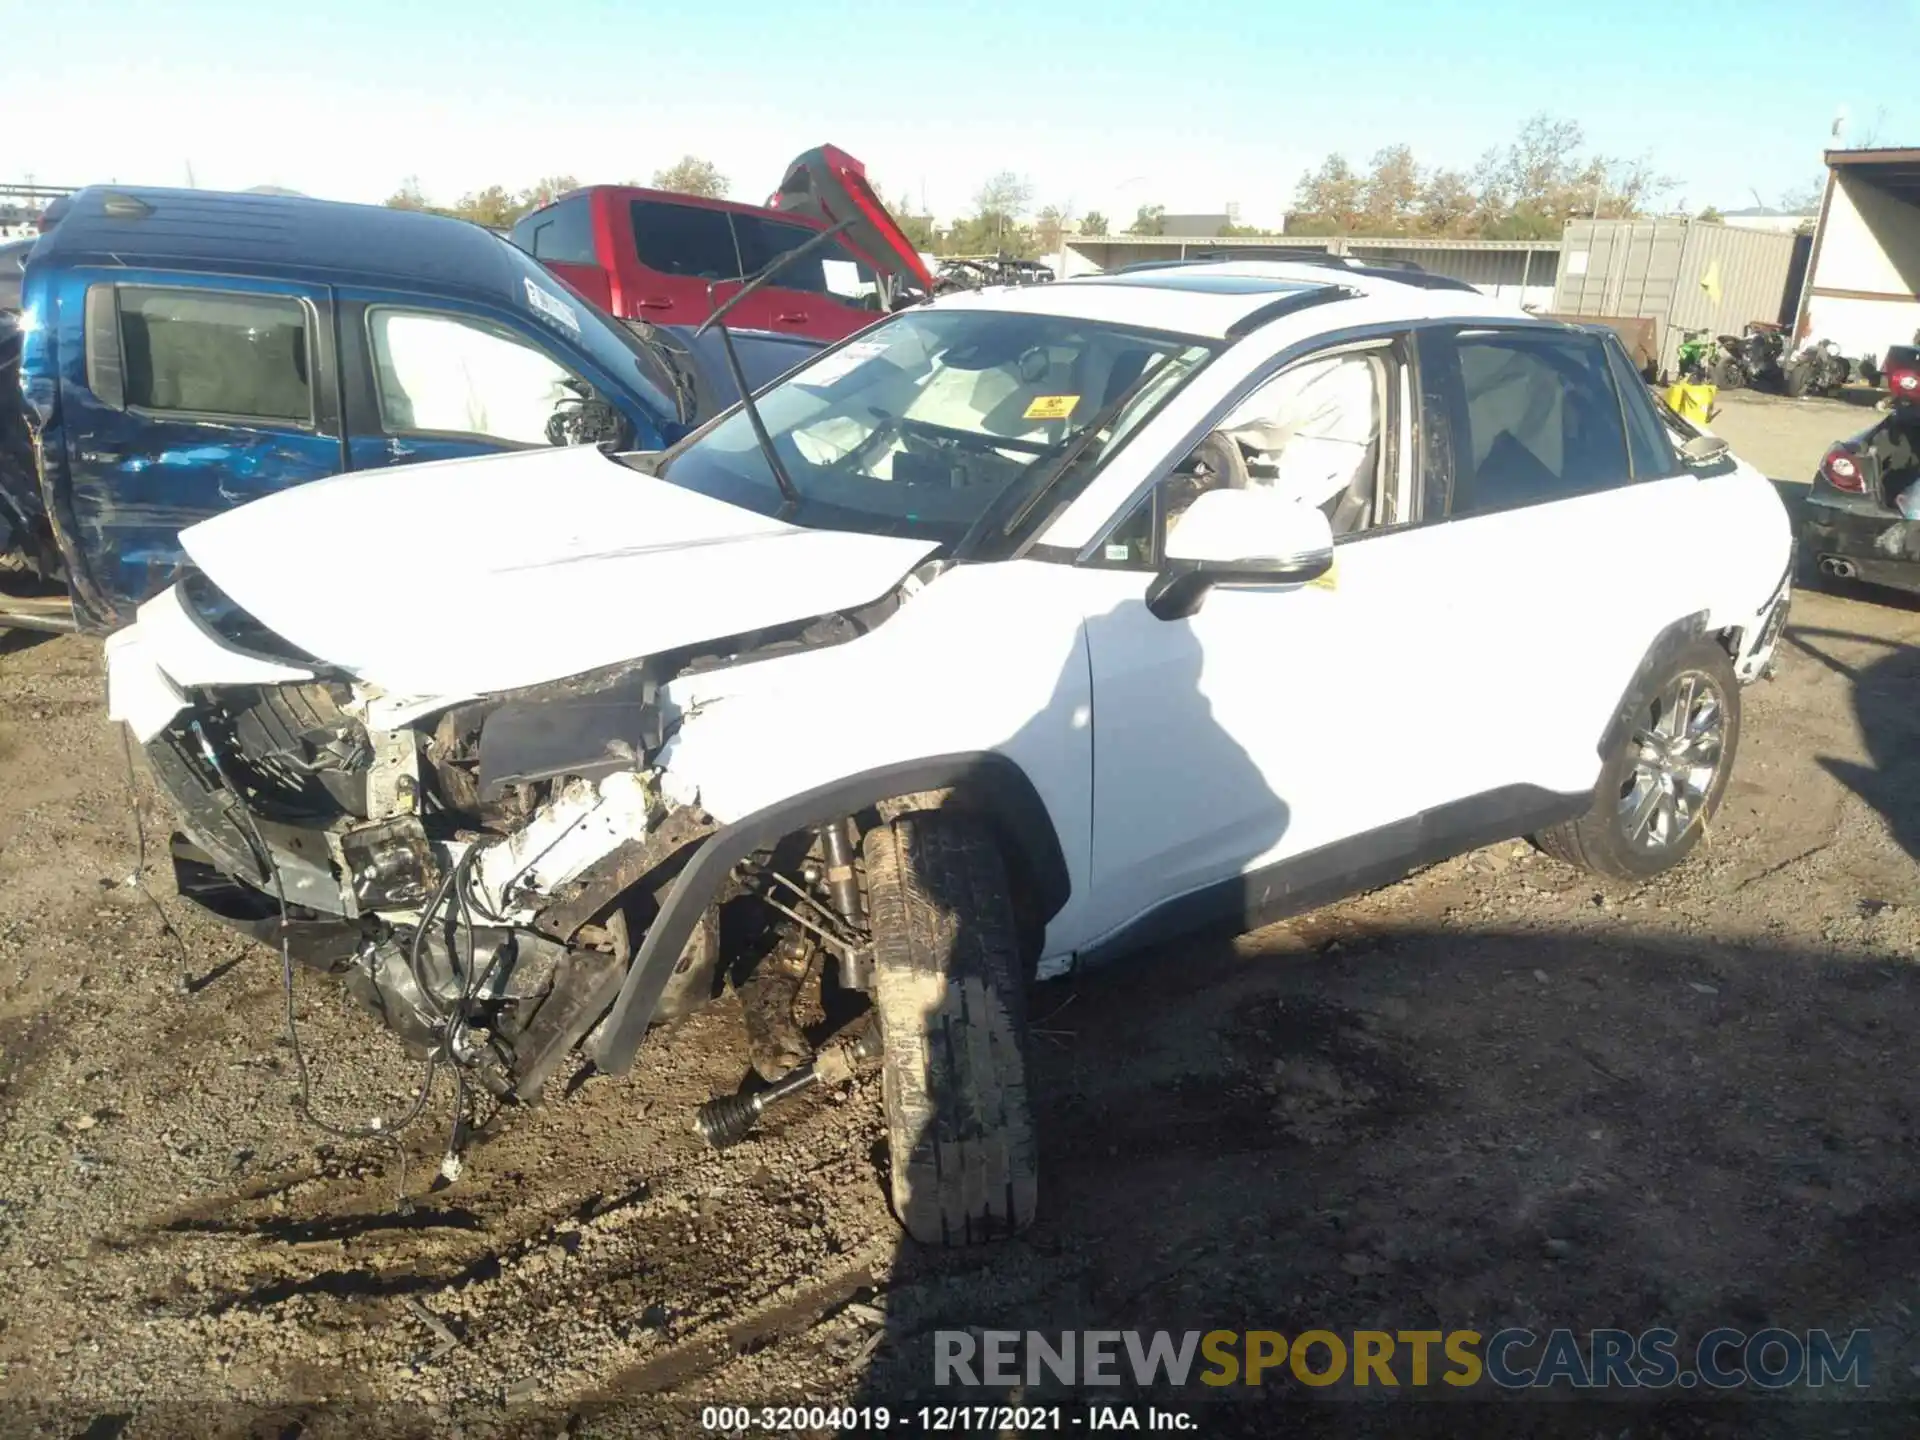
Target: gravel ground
point(1497, 1094)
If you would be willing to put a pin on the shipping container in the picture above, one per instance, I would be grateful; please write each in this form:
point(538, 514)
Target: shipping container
point(1682, 274)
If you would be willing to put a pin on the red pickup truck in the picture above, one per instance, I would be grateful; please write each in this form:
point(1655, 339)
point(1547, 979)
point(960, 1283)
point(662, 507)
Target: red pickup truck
point(669, 259)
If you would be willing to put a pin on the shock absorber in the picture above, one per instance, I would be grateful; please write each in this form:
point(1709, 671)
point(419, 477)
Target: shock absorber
point(842, 884)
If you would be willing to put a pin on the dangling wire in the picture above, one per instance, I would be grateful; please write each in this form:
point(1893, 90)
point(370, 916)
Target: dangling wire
point(377, 1129)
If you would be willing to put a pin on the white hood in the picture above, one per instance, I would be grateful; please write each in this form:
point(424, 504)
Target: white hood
point(468, 576)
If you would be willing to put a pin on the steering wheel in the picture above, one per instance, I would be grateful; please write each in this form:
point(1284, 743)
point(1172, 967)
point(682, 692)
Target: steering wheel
point(925, 430)
point(970, 439)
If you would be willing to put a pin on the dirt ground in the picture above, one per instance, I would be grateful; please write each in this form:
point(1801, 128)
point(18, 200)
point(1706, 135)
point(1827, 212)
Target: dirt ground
point(1497, 1094)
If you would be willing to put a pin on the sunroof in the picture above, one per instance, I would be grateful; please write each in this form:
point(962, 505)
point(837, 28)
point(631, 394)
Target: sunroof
point(1210, 282)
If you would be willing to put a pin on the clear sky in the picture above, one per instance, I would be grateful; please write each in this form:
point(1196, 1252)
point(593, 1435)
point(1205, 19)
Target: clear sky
point(1186, 103)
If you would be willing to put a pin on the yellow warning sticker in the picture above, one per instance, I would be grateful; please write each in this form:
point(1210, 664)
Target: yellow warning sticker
point(1052, 407)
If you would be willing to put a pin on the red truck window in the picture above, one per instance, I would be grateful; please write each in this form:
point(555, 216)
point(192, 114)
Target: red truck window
point(561, 232)
point(832, 271)
point(685, 240)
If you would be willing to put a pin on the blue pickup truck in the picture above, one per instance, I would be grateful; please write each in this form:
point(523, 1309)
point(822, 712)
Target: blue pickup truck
point(183, 352)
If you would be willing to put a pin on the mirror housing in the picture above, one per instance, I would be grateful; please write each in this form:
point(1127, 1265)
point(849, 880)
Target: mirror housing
point(1703, 452)
point(1254, 536)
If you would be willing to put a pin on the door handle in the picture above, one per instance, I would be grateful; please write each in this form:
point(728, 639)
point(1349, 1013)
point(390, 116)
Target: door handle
point(653, 302)
point(797, 317)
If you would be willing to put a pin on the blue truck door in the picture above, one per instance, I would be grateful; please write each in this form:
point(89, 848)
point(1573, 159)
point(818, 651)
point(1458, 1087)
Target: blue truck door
point(425, 379)
point(182, 396)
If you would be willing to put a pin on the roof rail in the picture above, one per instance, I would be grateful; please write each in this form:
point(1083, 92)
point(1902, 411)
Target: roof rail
point(1404, 271)
point(1287, 305)
point(1155, 265)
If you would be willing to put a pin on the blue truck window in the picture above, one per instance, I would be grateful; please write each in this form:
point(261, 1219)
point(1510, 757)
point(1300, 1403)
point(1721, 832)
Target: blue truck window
point(209, 353)
point(452, 375)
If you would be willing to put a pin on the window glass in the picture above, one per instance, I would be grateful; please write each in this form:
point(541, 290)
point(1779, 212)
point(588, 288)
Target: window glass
point(684, 240)
point(919, 425)
point(216, 354)
point(1542, 422)
point(454, 375)
point(1313, 432)
point(1647, 441)
point(831, 270)
point(562, 232)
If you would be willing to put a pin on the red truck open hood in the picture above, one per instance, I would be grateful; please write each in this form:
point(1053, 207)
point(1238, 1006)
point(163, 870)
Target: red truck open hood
point(828, 185)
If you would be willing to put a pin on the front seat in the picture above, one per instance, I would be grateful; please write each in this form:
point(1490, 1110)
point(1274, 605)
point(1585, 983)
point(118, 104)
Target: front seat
point(1353, 506)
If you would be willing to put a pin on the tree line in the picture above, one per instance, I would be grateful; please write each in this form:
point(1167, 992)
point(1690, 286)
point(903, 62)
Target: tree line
point(499, 208)
point(1525, 190)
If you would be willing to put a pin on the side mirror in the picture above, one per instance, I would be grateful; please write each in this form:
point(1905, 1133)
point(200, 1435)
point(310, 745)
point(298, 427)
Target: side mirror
point(1703, 452)
point(1239, 537)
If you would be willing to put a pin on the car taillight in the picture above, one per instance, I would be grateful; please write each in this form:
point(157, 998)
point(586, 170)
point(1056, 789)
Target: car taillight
point(1904, 384)
point(1843, 472)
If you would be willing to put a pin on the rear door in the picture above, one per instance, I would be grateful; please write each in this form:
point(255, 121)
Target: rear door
point(1567, 543)
point(184, 396)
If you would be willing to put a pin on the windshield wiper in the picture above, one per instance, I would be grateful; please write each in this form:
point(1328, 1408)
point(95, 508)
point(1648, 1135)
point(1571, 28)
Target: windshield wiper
point(715, 321)
point(766, 272)
point(1023, 496)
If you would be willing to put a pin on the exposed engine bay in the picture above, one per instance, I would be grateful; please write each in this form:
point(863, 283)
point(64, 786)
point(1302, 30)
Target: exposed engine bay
point(479, 874)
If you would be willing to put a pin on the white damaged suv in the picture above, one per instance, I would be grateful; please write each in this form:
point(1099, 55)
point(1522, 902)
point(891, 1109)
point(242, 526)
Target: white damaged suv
point(1028, 626)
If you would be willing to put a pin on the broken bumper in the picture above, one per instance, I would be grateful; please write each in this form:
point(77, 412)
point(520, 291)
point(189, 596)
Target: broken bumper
point(1860, 540)
point(1762, 636)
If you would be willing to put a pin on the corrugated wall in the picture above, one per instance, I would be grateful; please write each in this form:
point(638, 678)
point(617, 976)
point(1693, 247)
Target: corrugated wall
point(1659, 269)
point(1526, 277)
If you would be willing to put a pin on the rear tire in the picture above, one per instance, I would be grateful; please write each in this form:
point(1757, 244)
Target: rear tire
point(1660, 787)
point(950, 987)
point(1797, 379)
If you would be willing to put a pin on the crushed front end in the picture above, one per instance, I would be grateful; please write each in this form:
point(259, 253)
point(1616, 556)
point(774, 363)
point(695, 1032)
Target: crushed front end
point(476, 873)
point(484, 872)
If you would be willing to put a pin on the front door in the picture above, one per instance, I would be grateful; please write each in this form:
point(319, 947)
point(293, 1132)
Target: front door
point(431, 384)
point(193, 396)
point(1275, 721)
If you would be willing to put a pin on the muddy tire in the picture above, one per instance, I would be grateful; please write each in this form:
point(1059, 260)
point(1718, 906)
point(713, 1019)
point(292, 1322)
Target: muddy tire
point(1797, 379)
point(950, 987)
point(1658, 791)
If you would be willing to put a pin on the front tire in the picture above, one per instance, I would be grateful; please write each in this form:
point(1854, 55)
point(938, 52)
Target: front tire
point(1660, 788)
point(950, 986)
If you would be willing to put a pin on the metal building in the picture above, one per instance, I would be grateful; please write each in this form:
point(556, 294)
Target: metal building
point(1682, 274)
point(1518, 270)
point(1863, 288)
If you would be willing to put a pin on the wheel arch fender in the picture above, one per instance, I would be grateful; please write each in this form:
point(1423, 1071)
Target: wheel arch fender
point(994, 786)
point(1667, 646)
